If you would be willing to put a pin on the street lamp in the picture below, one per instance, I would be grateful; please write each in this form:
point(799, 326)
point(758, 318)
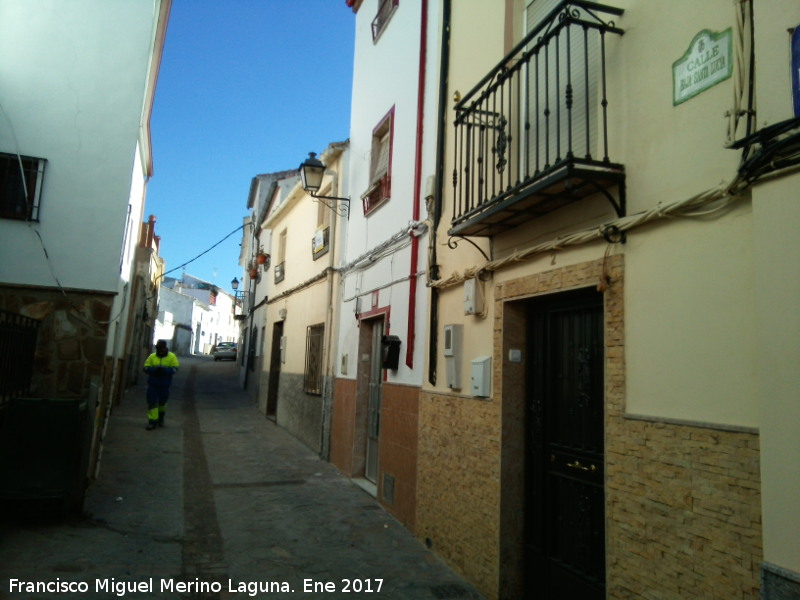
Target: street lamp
point(311, 172)
point(238, 300)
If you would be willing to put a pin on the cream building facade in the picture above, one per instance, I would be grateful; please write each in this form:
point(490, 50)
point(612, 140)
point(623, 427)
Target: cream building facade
point(613, 406)
point(302, 237)
point(265, 190)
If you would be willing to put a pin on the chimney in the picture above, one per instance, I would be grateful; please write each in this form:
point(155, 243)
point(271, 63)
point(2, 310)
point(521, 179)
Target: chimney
point(151, 229)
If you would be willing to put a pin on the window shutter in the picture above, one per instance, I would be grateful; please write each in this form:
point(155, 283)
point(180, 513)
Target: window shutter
point(584, 56)
point(381, 166)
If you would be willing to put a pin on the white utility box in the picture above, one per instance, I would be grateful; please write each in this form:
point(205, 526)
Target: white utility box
point(452, 354)
point(482, 376)
point(473, 304)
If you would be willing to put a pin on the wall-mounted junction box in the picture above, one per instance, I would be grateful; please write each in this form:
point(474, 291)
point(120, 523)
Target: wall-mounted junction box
point(453, 335)
point(481, 380)
point(473, 302)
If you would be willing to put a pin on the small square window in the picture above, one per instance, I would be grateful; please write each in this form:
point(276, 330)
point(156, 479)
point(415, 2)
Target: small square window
point(386, 9)
point(20, 186)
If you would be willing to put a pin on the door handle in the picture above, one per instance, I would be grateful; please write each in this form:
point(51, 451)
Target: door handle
point(580, 467)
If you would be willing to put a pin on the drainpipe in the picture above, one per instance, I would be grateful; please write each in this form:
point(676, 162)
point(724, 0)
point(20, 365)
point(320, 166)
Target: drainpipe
point(331, 323)
point(433, 327)
point(412, 276)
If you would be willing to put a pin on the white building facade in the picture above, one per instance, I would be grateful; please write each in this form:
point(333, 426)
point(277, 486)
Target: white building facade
point(78, 86)
point(380, 362)
point(200, 310)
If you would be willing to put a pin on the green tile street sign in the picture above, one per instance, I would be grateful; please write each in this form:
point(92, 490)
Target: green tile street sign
point(707, 61)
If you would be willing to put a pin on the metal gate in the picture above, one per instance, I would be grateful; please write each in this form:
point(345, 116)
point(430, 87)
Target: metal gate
point(18, 335)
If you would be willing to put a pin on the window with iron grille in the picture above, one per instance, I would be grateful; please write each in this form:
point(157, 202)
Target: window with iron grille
point(386, 9)
point(20, 186)
point(312, 382)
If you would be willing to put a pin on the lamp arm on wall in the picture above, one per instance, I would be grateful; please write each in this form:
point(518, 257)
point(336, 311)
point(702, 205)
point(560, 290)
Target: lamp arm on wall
point(333, 202)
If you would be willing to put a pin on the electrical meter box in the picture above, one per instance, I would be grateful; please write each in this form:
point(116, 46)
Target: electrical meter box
point(473, 304)
point(452, 355)
point(482, 376)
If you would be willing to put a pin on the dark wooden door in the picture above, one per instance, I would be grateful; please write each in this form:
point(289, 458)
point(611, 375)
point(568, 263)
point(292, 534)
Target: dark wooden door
point(374, 415)
point(275, 369)
point(565, 500)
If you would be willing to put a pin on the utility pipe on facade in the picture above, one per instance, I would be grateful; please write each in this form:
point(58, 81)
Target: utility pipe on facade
point(330, 321)
point(433, 268)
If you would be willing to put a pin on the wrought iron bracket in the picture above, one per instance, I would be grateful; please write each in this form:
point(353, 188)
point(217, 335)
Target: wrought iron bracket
point(611, 233)
point(332, 202)
point(453, 245)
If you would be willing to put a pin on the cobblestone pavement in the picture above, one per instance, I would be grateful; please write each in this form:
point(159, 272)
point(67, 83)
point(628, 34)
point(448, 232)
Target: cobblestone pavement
point(217, 504)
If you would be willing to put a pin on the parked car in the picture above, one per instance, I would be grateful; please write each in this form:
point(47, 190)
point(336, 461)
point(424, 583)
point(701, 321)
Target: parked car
point(225, 350)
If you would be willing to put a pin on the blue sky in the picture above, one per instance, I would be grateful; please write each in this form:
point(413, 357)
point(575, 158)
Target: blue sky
point(245, 87)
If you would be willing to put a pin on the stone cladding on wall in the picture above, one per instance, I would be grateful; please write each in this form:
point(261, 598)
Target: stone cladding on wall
point(71, 344)
point(343, 427)
point(682, 499)
point(458, 484)
point(397, 474)
point(683, 511)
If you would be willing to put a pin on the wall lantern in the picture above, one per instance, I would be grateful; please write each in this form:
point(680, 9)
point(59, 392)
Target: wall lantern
point(235, 284)
point(311, 172)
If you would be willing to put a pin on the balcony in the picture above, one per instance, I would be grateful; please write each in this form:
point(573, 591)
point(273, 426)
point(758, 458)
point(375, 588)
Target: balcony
point(242, 305)
point(532, 136)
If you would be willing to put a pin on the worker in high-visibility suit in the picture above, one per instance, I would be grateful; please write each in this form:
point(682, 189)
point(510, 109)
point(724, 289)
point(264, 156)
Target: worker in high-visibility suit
point(160, 367)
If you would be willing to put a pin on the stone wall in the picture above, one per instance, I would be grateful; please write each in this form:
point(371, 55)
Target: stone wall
point(298, 412)
point(71, 346)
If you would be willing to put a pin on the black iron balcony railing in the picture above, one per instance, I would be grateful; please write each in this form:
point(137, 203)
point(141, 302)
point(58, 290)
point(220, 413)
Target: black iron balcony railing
point(242, 305)
point(532, 136)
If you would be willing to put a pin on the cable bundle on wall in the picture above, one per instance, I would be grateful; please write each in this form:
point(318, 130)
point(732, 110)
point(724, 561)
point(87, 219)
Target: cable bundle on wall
point(705, 204)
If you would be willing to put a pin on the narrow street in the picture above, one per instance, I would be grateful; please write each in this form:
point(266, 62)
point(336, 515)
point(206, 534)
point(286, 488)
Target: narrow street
point(220, 503)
